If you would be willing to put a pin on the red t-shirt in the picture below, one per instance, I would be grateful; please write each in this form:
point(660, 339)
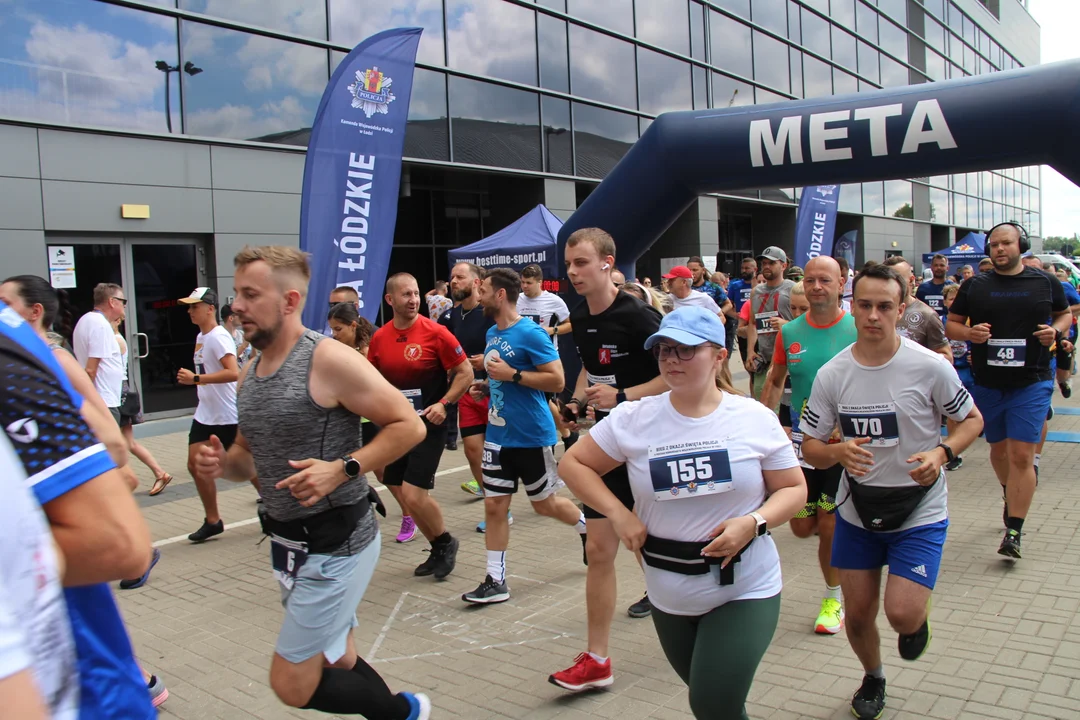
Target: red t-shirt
point(415, 360)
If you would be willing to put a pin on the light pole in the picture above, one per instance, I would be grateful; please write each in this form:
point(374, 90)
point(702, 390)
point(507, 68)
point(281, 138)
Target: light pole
point(189, 68)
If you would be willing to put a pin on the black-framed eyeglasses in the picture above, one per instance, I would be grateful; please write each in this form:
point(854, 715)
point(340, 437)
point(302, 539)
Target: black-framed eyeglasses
point(123, 301)
point(683, 352)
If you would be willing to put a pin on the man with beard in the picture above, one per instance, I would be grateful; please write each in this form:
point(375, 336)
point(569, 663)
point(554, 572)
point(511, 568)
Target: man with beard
point(300, 403)
point(415, 355)
point(770, 308)
point(470, 328)
point(522, 365)
point(1016, 315)
point(930, 291)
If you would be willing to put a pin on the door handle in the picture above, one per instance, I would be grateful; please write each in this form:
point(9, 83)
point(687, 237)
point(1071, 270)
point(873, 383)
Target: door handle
point(146, 339)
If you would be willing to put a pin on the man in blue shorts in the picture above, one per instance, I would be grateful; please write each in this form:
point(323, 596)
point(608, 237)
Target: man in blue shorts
point(891, 505)
point(1012, 317)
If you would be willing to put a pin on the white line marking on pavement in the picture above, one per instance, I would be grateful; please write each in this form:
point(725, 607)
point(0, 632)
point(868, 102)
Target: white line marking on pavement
point(252, 521)
point(473, 649)
point(386, 627)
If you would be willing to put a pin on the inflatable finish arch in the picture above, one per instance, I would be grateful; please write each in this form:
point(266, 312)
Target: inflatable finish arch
point(1029, 116)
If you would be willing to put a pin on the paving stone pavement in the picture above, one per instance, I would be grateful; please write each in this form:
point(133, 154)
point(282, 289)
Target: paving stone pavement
point(1006, 635)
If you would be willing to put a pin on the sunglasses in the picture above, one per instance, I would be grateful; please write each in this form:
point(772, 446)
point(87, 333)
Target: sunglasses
point(122, 301)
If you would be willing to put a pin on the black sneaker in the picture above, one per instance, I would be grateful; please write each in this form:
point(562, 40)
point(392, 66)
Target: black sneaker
point(451, 444)
point(868, 702)
point(1066, 389)
point(444, 558)
point(488, 592)
point(207, 531)
point(955, 464)
point(641, 609)
point(584, 550)
point(140, 581)
point(428, 566)
point(913, 646)
point(1010, 544)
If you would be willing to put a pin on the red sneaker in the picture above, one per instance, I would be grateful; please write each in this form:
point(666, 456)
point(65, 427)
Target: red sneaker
point(585, 674)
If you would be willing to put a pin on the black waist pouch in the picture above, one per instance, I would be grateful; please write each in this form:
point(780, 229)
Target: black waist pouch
point(883, 509)
point(324, 532)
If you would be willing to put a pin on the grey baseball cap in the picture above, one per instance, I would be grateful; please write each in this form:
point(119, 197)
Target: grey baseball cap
point(773, 253)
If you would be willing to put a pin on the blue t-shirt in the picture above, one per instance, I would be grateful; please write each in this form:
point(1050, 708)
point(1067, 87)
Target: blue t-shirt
point(739, 292)
point(518, 416)
point(1073, 298)
point(933, 296)
point(714, 291)
point(40, 411)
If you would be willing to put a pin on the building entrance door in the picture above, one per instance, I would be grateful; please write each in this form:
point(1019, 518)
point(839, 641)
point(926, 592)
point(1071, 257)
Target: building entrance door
point(155, 273)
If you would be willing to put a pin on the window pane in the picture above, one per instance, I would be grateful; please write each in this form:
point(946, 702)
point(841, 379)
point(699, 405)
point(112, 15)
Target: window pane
point(697, 31)
point(896, 9)
point(730, 45)
point(867, 21)
point(663, 83)
point(817, 77)
point(665, 23)
point(843, 48)
point(873, 198)
point(554, 53)
point(868, 62)
point(770, 14)
point(427, 134)
point(897, 196)
point(492, 37)
point(850, 199)
point(87, 64)
point(601, 66)
point(843, 12)
point(764, 97)
point(822, 5)
point(843, 83)
point(307, 18)
point(796, 73)
point(701, 90)
point(893, 74)
point(559, 5)
point(494, 125)
point(556, 128)
point(935, 34)
point(894, 40)
point(815, 32)
point(601, 138)
point(771, 62)
point(615, 14)
point(728, 92)
point(740, 7)
point(253, 88)
point(935, 6)
point(349, 27)
point(935, 65)
point(939, 206)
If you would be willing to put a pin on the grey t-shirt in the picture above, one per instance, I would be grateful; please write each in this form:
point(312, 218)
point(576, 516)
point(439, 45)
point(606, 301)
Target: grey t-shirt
point(900, 416)
point(923, 325)
point(769, 302)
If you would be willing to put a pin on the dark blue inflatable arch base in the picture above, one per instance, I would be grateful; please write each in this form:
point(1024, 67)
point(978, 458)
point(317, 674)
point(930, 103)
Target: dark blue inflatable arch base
point(1009, 119)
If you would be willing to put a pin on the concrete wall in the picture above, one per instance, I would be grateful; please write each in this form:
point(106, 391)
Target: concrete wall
point(58, 181)
point(879, 234)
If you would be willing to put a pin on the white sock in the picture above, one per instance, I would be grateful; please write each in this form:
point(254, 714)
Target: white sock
point(580, 524)
point(597, 658)
point(1037, 458)
point(832, 592)
point(496, 565)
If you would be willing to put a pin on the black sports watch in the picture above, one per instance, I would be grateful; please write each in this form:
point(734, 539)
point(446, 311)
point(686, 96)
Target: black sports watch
point(352, 466)
point(517, 377)
point(948, 451)
point(195, 379)
point(620, 397)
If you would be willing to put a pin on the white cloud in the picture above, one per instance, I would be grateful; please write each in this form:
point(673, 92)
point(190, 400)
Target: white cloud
point(244, 121)
point(1060, 201)
point(354, 20)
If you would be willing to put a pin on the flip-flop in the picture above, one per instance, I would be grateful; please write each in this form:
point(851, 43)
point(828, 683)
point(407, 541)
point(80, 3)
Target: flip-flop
point(160, 484)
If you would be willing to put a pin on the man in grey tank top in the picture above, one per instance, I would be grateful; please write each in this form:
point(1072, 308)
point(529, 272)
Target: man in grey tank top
point(299, 408)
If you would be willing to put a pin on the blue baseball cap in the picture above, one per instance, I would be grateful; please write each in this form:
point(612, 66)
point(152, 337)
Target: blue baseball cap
point(689, 326)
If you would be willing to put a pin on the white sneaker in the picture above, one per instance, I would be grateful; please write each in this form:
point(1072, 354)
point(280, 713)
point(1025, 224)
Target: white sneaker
point(425, 706)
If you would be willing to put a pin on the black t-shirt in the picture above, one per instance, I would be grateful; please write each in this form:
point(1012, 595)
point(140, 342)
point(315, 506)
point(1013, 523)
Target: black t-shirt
point(612, 344)
point(1014, 306)
point(470, 328)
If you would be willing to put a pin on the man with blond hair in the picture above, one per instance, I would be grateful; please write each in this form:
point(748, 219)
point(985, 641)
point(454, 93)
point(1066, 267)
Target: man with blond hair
point(300, 403)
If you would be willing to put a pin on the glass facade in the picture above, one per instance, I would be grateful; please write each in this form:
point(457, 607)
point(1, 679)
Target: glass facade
point(563, 86)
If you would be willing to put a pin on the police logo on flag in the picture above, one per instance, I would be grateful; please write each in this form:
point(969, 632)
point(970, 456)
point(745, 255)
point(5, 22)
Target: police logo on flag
point(371, 91)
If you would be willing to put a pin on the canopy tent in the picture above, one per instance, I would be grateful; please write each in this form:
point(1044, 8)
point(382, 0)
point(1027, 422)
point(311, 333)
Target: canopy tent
point(527, 241)
point(969, 251)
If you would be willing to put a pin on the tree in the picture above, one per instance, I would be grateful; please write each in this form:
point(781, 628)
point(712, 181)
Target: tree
point(906, 211)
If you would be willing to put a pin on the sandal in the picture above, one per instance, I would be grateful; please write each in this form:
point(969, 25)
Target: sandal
point(160, 483)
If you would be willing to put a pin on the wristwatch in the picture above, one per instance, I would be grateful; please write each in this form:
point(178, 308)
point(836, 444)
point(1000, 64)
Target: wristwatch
point(760, 520)
point(620, 397)
point(948, 452)
point(352, 466)
point(195, 379)
point(517, 377)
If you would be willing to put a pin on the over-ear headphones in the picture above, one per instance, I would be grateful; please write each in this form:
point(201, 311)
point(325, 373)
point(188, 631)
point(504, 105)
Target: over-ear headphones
point(1025, 241)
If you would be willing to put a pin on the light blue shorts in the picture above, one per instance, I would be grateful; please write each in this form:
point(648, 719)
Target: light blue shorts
point(320, 610)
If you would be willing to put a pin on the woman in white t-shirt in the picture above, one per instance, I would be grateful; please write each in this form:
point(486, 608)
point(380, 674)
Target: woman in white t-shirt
point(701, 462)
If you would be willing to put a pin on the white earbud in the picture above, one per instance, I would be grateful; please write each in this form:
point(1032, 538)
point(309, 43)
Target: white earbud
point(605, 266)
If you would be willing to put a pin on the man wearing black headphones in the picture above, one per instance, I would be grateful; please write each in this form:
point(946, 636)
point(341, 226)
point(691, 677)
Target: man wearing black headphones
point(1016, 316)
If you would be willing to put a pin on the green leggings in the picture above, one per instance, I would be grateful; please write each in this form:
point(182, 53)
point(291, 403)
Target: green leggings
point(717, 654)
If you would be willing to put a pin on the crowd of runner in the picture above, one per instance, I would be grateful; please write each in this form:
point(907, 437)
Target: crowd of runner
point(852, 378)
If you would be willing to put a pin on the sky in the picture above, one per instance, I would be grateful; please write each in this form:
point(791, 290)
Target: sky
point(1060, 198)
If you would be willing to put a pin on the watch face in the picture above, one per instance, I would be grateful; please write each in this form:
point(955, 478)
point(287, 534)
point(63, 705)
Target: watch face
point(352, 467)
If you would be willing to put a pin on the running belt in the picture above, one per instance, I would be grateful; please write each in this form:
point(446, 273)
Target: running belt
point(685, 558)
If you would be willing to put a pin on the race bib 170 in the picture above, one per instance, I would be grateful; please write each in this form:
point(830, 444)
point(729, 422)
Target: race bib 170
point(877, 422)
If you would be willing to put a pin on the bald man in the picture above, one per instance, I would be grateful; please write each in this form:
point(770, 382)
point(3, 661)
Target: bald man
point(803, 346)
point(915, 324)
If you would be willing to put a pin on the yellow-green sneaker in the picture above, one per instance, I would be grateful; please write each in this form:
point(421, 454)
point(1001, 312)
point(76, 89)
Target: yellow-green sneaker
point(473, 488)
point(831, 618)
